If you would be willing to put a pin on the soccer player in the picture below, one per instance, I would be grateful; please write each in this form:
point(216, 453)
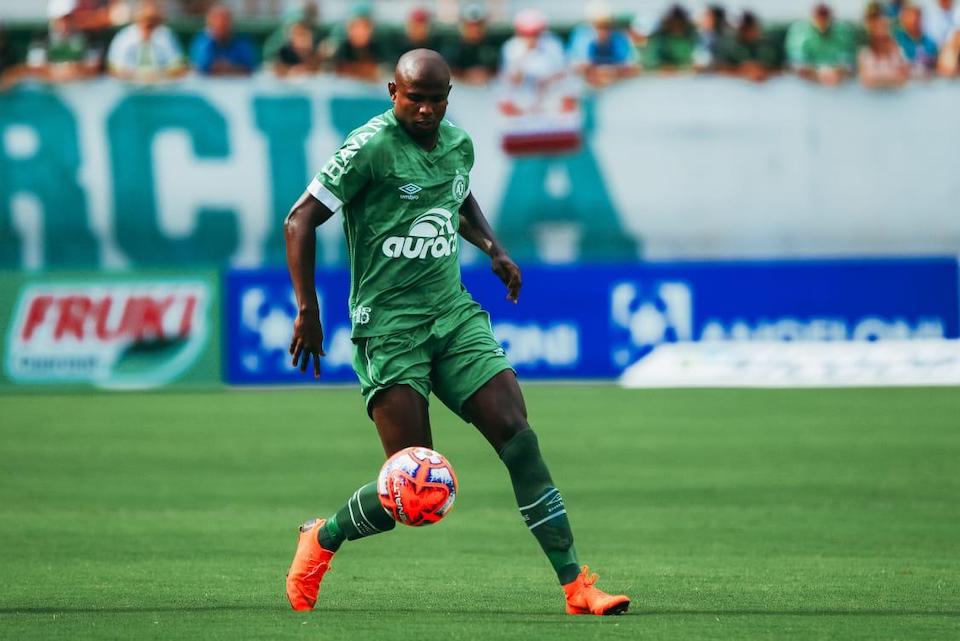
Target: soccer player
point(402, 183)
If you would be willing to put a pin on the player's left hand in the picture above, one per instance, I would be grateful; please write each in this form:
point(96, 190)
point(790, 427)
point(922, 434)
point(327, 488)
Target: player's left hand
point(509, 273)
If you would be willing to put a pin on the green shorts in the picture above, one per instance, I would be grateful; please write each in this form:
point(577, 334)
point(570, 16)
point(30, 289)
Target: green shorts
point(453, 356)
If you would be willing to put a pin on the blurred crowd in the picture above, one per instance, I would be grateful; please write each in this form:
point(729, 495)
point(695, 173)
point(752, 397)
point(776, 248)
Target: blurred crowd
point(895, 42)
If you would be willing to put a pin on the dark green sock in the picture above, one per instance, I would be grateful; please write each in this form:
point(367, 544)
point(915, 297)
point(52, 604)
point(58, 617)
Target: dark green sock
point(361, 516)
point(541, 504)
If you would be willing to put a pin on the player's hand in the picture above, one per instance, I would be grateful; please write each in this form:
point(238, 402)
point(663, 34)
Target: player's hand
point(307, 341)
point(509, 273)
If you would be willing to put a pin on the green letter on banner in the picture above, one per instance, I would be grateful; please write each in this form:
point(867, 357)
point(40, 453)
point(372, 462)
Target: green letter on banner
point(40, 156)
point(348, 113)
point(285, 122)
point(581, 200)
point(132, 128)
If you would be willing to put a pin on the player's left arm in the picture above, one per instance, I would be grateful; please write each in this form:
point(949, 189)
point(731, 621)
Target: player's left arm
point(476, 230)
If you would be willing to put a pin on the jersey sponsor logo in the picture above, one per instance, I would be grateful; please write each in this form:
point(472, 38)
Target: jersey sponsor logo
point(431, 234)
point(134, 335)
point(360, 315)
point(337, 165)
point(459, 187)
point(410, 191)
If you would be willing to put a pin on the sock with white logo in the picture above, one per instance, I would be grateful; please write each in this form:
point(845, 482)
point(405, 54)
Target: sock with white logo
point(541, 504)
point(361, 516)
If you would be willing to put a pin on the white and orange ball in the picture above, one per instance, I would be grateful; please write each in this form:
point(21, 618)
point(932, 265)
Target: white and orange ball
point(417, 486)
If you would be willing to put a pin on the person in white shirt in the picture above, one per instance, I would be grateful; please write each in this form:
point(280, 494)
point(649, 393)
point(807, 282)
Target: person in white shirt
point(940, 19)
point(534, 57)
point(147, 49)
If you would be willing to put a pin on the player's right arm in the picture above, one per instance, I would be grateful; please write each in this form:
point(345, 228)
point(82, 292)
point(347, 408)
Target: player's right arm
point(299, 231)
point(345, 175)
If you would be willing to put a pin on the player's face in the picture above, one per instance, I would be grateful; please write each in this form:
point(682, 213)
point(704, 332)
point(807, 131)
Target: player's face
point(420, 104)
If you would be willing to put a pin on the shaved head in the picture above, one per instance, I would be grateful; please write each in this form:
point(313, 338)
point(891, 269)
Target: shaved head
point(422, 66)
point(419, 93)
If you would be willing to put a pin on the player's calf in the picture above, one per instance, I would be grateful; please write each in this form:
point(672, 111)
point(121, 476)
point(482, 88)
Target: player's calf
point(542, 508)
point(541, 504)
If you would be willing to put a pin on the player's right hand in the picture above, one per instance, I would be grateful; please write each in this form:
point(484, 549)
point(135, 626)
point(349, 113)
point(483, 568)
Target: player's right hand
point(307, 341)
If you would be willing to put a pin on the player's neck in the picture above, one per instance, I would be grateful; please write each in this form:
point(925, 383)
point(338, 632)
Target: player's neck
point(427, 142)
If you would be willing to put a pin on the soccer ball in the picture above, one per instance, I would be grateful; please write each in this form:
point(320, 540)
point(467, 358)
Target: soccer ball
point(417, 486)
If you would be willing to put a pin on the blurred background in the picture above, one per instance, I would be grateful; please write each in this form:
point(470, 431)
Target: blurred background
point(757, 193)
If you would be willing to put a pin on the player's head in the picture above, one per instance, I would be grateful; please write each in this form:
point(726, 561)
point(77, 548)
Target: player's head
point(419, 91)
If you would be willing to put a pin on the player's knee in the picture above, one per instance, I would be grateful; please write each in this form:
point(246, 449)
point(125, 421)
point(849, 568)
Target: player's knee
point(523, 445)
point(508, 426)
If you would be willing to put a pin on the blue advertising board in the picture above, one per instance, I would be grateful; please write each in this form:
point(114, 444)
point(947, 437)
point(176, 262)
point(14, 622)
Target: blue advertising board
point(591, 321)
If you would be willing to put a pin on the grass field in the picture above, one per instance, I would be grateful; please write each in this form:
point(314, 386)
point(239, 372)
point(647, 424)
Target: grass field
point(724, 514)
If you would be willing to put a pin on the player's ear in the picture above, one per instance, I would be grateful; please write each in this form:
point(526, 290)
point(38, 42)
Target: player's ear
point(449, 88)
point(392, 88)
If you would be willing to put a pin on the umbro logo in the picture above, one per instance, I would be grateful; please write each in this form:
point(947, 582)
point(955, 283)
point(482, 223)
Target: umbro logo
point(555, 503)
point(410, 191)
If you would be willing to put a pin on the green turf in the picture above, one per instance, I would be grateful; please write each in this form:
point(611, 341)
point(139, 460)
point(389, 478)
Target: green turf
point(724, 514)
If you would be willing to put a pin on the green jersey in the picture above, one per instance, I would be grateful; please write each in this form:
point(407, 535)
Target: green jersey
point(400, 206)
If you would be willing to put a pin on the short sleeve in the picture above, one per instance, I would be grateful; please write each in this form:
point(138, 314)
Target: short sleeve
point(347, 172)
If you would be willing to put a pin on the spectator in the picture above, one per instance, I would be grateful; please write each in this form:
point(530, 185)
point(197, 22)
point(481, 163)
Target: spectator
point(359, 55)
point(948, 64)
point(146, 50)
point(534, 71)
point(918, 49)
point(298, 56)
point(879, 63)
point(305, 14)
point(533, 56)
point(672, 45)
point(474, 57)
point(713, 33)
point(64, 55)
point(748, 54)
point(940, 18)
point(67, 54)
point(417, 34)
point(217, 51)
point(600, 52)
point(819, 49)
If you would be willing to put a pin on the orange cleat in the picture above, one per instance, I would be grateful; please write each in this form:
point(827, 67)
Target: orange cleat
point(310, 563)
point(583, 598)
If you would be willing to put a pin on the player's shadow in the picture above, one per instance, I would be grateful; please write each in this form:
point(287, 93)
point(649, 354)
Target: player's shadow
point(637, 611)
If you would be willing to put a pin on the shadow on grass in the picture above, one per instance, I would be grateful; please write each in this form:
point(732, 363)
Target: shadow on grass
point(866, 612)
